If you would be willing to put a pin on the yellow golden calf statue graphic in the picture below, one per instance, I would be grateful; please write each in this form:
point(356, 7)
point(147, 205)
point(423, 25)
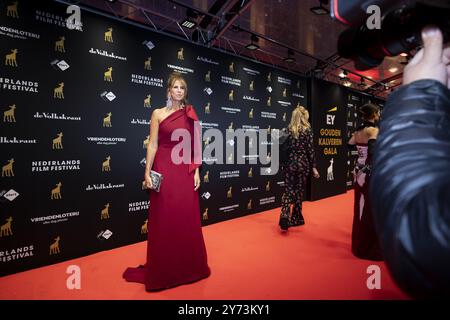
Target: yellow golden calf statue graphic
point(148, 64)
point(146, 142)
point(208, 76)
point(284, 92)
point(56, 192)
point(144, 228)
point(8, 115)
point(58, 93)
point(208, 108)
point(268, 186)
point(54, 247)
point(10, 59)
point(107, 120)
point(108, 75)
point(59, 45)
point(229, 192)
point(250, 114)
point(106, 165)
point(104, 214)
point(231, 67)
point(251, 86)
point(206, 177)
point(231, 95)
point(180, 54)
point(7, 170)
point(269, 101)
point(249, 204)
point(57, 142)
point(11, 10)
point(5, 229)
point(250, 173)
point(108, 35)
point(205, 214)
point(148, 101)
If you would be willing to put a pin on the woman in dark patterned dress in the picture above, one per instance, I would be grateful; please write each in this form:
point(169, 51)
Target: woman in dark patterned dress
point(364, 238)
point(299, 165)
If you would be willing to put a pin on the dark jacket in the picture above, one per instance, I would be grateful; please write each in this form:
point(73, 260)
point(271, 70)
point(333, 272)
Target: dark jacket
point(410, 188)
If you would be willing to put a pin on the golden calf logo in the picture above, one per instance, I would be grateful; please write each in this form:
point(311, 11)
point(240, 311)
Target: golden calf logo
point(231, 67)
point(285, 92)
point(106, 166)
point(249, 204)
point(5, 229)
point(206, 177)
point(268, 129)
point(268, 186)
point(269, 101)
point(250, 173)
point(146, 142)
point(250, 114)
point(11, 10)
point(108, 35)
point(148, 101)
point(229, 192)
point(11, 58)
point(7, 170)
point(208, 76)
point(107, 120)
point(251, 86)
point(284, 116)
point(269, 77)
point(230, 127)
point(205, 214)
point(58, 92)
point(107, 76)
point(180, 54)
point(148, 64)
point(104, 214)
point(54, 247)
point(59, 45)
point(57, 142)
point(208, 108)
point(231, 95)
point(8, 115)
point(207, 141)
point(56, 192)
point(144, 227)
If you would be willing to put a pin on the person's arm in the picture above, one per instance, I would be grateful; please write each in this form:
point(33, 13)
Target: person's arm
point(152, 147)
point(410, 183)
point(372, 133)
point(311, 155)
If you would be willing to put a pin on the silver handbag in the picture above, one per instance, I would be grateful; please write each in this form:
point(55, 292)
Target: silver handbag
point(156, 180)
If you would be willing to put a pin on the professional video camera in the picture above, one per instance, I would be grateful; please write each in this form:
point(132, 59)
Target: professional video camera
point(401, 25)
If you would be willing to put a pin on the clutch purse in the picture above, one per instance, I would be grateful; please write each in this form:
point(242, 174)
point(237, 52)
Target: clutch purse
point(157, 179)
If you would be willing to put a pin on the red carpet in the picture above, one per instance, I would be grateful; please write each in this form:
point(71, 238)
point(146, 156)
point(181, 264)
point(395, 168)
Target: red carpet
point(249, 259)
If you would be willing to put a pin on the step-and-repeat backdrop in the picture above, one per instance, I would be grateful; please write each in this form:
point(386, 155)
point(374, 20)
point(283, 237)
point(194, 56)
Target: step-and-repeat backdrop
point(76, 103)
point(76, 106)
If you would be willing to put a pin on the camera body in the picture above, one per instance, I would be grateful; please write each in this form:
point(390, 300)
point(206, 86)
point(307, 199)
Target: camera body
point(401, 24)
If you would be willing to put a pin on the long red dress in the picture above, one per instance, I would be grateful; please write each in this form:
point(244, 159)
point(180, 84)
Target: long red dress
point(176, 252)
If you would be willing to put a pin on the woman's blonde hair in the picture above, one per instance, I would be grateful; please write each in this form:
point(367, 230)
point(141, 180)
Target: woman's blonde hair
point(299, 121)
point(171, 82)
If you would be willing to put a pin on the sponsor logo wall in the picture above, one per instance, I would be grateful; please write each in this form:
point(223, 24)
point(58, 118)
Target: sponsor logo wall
point(76, 106)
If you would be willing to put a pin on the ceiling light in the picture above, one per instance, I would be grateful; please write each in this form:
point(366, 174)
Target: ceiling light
point(320, 10)
point(343, 75)
point(111, 1)
point(290, 57)
point(190, 21)
point(403, 54)
point(392, 70)
point(252, 45)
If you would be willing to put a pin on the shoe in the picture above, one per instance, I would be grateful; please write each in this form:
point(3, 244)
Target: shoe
point(284, 224)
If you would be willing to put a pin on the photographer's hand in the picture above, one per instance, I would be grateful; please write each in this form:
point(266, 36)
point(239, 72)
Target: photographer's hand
point(432, 61)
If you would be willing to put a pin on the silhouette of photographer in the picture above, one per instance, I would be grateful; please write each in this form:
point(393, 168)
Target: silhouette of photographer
point(410, 184)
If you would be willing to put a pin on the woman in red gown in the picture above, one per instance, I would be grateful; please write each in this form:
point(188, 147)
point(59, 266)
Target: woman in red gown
point(176, 252)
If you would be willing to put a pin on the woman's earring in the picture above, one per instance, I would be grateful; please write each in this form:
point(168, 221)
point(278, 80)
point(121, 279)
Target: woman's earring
point(169, 102)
